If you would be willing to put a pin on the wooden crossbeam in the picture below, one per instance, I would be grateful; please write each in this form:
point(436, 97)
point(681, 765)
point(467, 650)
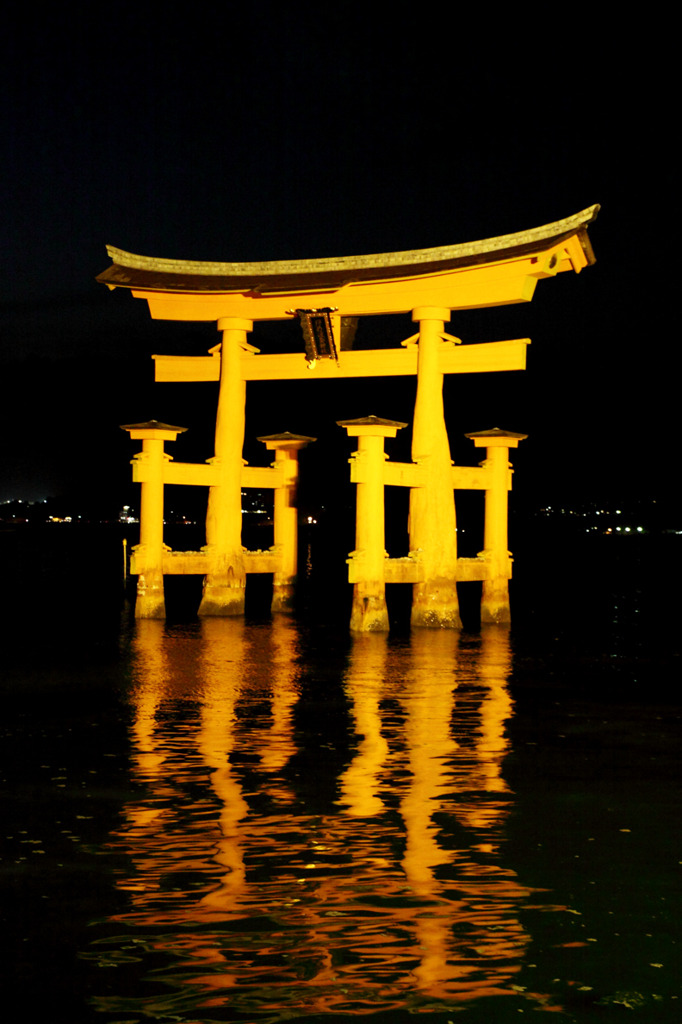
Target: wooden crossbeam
point(411, 570)
point(494, 356)
point(207, 474)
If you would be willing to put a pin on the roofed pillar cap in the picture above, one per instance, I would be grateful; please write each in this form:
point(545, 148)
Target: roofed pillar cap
point(496, 438)
point(286, 441)
point(152, 430)
point(371, 426)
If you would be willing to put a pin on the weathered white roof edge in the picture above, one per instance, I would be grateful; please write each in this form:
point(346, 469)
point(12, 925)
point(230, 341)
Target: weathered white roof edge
point(410, 257)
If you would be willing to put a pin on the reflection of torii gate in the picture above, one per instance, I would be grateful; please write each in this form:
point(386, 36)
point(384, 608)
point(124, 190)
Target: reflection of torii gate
point(429, 283)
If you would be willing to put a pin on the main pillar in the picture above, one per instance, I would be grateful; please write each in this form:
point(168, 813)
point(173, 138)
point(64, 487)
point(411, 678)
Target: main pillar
point(286, 447)
point(495, 596)
point(433, 538)
point(224, 586)
point(148, 554)
point(369, 613)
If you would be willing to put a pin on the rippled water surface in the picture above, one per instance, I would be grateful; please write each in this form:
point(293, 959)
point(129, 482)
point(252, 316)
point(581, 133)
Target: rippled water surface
point(268, 820)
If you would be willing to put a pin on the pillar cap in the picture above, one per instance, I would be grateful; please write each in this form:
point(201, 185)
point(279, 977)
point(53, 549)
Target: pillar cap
point(496, 438)
point(287, 440)
point(371, 426)
point(234, 323)
point(439, 313)
point(152, 430)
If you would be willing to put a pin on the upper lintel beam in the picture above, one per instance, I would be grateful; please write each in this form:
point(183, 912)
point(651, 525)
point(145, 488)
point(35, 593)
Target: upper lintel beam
point(472, 288)
point(491, 272)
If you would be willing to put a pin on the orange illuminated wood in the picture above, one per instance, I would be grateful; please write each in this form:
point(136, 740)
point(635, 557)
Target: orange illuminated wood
point(428, 284)
point(469, 275)
point(390, 362)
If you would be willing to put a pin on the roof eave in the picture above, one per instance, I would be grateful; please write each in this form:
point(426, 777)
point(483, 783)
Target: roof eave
point(148, 273)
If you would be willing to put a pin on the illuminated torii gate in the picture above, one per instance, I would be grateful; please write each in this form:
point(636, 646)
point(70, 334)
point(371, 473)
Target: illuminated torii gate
point(429, 284)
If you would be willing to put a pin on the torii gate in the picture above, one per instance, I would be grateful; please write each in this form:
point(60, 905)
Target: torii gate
point(429, 284)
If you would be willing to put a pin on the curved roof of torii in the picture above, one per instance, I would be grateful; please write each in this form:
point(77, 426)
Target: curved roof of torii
point(150, 273)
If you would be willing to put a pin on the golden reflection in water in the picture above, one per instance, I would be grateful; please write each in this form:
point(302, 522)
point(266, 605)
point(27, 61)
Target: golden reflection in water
point(147, 758)
point(224, 648)
point(399, 897)
point(366, 685)
point(415, 757)
point(187, 694)
point(428, 697)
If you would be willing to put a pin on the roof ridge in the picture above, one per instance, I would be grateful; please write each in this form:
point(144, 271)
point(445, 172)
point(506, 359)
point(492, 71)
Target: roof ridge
point(410, 257)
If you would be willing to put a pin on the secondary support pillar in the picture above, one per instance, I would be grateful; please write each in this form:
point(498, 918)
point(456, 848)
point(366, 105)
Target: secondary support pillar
point(286, 448)
point(369, 613)
point(495, 597)
point(148, 554)
point(224, 587)
point(433, 538)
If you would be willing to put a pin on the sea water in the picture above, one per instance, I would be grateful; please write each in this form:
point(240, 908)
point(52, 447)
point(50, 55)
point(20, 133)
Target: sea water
point(264, 820)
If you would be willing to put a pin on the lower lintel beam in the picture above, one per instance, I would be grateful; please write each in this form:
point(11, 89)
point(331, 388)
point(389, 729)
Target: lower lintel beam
point(391, 362)
point(200, 563)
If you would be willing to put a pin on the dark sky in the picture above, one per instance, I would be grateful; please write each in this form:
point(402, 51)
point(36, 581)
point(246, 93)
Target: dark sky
point(273, 131)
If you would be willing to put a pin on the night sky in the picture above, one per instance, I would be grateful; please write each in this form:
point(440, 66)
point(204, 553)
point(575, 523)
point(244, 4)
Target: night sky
point(276, 131)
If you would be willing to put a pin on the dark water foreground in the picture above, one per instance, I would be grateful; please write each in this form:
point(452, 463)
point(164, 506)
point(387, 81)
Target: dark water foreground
point(267, 821)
